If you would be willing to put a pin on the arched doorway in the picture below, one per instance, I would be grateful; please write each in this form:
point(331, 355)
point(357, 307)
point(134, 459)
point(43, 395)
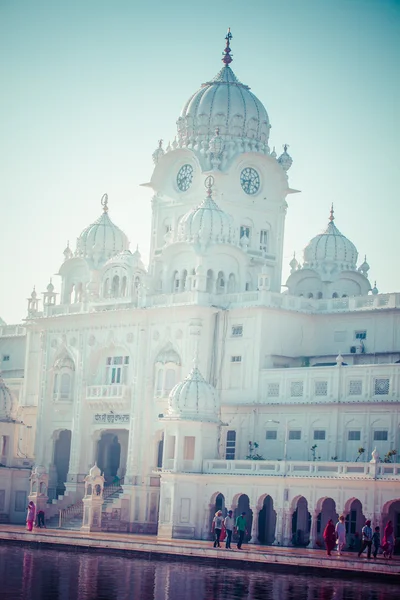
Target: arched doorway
point(393, 515)
point(355, 521)
point(217, 504)
point(328, 511)
point(111, 454)
point(301, 523)
point(62, 450)
point(267, 522)
point(244, 506)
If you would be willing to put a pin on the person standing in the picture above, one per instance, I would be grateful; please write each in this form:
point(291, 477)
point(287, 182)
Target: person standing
point(341, 534)
point(329, 537)
point(366, 533)
point(229, 525)
point(240, 527)
point(40, 519)
point(216, 529)
point(388, 541)
point(376, 541)
point(30, 516)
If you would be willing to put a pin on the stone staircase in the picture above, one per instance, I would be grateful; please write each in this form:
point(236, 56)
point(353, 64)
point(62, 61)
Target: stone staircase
point(71, 516)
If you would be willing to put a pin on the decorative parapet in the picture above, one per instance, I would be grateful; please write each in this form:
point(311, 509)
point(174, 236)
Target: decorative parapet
point(319, 469)
point(108, 397)
point(321, 385)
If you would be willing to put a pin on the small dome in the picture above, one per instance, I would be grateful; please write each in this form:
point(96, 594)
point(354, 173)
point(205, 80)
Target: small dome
point(194, 399)
point(5, 401)
point(95, 471)
point(206, 223)
point(226, 103)
point(126, 258)
point(331, 246)
point(102, 239)
point(364, 268)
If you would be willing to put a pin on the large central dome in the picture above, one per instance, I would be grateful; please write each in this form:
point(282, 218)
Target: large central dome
point(226, 104)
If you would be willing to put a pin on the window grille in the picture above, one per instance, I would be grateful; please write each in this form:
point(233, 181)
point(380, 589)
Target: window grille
point(355, 387)
point(381, 387)
point(236, 359)
point(271, 434)
point(380, 436)
point(354, 436)
point(237, 330)
point(296, 389)
point(295, 434)
point(273, 390)
point(319, 434)
point(360, 335)
point(321, 388)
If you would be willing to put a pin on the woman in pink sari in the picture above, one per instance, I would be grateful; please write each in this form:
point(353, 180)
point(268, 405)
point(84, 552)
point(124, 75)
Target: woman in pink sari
point(30, 516)
point(329, 537)
point(388, 541)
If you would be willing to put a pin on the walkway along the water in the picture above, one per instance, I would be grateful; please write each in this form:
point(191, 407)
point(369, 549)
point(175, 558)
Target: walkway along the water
point(300, 560)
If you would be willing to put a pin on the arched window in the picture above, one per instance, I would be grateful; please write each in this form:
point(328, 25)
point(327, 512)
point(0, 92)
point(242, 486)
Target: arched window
point(319, 296)
point(65, 386)
point(123, 287)
point(183, 280)
point(169, 380)
point(210, 281)
point(230, 445)
point(175, 282)
point(106, 288)
point(220, 283)
point(115, 287)
point(78, 292)
point(335, 295)
point(344, 296)
point(159, 382)
point(310, 295)
point(231, 283)
point(137, 282)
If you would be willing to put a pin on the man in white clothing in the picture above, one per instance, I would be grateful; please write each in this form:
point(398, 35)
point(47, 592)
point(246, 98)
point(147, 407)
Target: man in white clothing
point(229, 525)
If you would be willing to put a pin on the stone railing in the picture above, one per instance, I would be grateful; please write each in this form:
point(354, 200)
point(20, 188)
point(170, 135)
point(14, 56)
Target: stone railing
point(113, 396)
point(329, 469)
point(12, 330)
point(321, 385)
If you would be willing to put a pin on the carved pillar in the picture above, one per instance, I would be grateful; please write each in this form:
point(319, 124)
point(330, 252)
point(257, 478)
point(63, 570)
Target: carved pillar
point(254, 527)
point(279, 528)
point(287, 528)
point(313, 531)
point(206, 532)
point(39, 481)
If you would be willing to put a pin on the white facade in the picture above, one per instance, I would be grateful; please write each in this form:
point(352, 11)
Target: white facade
point(104, 372)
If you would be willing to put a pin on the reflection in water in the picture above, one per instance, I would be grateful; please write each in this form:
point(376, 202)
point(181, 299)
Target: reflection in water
point(29, 574)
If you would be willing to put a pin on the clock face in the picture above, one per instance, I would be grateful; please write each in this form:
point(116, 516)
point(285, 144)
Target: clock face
point(250, 180)
point(184, 177)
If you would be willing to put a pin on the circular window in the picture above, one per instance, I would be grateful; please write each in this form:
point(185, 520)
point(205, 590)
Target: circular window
point(184, 177)
point(250, 180)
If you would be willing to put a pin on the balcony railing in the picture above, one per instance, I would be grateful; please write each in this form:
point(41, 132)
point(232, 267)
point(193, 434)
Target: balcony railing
point(329, 469)
point(113, 396)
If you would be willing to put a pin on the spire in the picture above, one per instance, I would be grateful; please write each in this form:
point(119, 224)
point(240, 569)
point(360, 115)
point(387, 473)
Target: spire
point(331, 217)
point(209, 182)
point(227, 59)
point(104, 202)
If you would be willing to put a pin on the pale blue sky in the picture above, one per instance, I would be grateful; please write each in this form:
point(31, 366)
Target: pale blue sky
point(89, 86)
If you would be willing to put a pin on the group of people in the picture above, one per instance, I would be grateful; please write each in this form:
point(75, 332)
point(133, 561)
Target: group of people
point(370, 539)
point(225, 528)
point(31, 515)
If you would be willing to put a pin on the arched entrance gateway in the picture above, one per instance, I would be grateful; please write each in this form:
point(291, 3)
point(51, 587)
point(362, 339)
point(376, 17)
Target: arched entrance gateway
point(111, 454)
point(301, 523)
point(328, 511)
point(391, 512)
point(267, 522)
point(244, 506)
point(355, 521)
point(62, 450)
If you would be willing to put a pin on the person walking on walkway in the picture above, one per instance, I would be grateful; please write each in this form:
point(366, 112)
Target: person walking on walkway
point(216, 529)
point(229, 525)
point(388, 541)
point(329, 537)
point(341, 535)
point(366, 533)
point(241, 529)
point(30, 516)
point(376, 541)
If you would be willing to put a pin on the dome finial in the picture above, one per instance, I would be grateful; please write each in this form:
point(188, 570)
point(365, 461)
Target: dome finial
point(104, 202)
point(331, 217)
point(227, 59)
point(209, 182)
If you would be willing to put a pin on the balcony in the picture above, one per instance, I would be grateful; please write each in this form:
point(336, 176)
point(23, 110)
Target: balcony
point(329, 469)
point(108, 397)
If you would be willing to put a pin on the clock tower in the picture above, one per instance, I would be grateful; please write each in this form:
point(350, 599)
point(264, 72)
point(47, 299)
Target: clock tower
point(223, 132)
